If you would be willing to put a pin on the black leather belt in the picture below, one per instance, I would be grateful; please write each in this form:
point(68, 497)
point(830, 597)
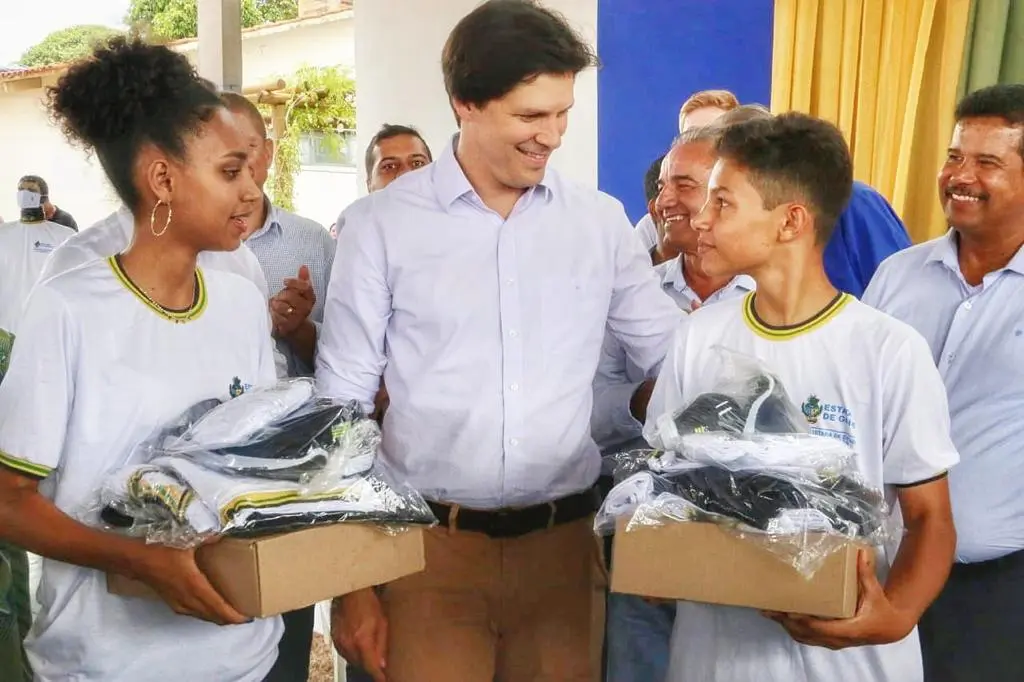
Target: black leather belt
point(511, 523)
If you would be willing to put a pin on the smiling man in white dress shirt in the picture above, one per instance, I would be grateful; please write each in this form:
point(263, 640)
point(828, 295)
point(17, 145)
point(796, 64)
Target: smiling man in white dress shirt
point(481, 287)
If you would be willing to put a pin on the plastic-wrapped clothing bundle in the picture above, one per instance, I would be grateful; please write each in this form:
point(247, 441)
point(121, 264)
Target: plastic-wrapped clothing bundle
point(788, 506)
point(740, 456)
point(175, 501)
point(269, 460)
point(751, 400)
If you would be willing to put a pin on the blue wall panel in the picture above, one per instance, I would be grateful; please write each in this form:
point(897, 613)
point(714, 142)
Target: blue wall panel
point(655, 54)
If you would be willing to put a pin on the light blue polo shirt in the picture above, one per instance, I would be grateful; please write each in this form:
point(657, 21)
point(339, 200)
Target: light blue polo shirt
point(976, 335)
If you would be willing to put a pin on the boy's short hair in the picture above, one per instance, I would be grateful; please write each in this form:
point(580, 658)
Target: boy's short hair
point(794, 156)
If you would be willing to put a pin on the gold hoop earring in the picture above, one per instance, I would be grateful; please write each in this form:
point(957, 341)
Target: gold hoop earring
point(152, 218)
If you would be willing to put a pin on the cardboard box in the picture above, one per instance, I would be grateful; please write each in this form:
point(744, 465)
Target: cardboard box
point(279, 573)
point(703, 562)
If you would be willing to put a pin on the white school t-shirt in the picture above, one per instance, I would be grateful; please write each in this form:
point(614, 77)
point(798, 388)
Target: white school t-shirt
point(24, 248)
point(859, 376)
point(113, 234)
point(95, 370)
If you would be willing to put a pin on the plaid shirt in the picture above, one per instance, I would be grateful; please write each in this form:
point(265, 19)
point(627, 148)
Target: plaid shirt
point(284, 244)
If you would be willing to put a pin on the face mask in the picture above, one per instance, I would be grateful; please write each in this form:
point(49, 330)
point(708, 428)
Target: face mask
point(29, 199)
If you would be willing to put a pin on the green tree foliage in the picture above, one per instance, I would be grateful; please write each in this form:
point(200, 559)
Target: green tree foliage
point(323, 100)
point(175, 19)
point(66, 45)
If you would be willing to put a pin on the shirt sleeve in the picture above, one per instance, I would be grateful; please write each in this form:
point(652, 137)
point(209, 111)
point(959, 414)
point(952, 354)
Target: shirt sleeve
point(612, 421)
point(876, 294)
point(670, 389)
point(647, 232)
point(350, 354)
point(868, 231)
point(641, 315)
point(37, 392)
point(916, 442)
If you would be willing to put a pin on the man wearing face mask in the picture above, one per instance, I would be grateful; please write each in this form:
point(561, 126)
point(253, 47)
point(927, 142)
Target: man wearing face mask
point(24, 247)
point(53, 213)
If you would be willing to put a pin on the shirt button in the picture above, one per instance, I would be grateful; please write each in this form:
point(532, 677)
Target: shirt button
point(513, 333)
point(510, 281)
point(514, 387)
point(968, 305)
point(513, 441)
point(951, 357)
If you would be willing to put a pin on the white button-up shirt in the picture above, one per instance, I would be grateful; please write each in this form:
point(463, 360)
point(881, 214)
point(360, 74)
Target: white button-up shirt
point(487, 331)
point(612, 423)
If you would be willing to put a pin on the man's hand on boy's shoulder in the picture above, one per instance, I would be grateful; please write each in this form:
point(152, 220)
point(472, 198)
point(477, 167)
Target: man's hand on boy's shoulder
point(877, 621)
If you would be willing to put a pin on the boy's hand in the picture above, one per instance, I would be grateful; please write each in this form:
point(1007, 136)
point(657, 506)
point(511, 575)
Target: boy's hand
point(877, 621)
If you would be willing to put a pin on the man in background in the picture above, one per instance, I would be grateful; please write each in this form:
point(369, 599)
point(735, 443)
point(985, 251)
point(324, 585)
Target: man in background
point(650, 230)
point(51, 212)
point(296, 255)
point(25, 245)
point(394, 151)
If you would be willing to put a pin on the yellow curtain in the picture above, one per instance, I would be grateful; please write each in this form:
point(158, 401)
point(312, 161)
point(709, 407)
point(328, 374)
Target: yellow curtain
point(885, 72)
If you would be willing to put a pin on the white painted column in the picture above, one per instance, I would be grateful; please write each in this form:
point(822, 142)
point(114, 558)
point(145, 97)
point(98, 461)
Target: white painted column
point(220, 43)
point(398, 76)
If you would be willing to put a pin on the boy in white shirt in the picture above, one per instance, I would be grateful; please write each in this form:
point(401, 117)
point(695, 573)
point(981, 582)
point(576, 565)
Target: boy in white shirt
point(864, 378)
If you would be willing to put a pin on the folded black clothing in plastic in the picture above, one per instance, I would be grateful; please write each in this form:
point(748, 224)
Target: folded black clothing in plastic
point(769, 501)
point(758, 498)
point(758, 404)
point(284, 439)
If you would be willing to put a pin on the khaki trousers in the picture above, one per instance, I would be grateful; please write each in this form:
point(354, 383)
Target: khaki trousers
point(526, 609)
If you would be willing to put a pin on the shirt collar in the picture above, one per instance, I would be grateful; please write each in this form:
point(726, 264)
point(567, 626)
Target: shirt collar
point(271, 222)
point(451, 183)
point(946, 251)
point(673, 277)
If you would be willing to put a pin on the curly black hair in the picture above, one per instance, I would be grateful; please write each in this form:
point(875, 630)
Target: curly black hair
point(128, 94)
point(793, 157)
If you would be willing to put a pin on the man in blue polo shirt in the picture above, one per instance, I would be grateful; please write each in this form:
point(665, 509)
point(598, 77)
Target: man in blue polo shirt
point(964, 292)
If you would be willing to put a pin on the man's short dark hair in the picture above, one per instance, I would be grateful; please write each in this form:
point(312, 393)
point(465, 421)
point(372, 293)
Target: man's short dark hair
point(503, 43)
point(794, 157)
point(386, 132)
point(240, 104)
point(997, 101)
point(44, 189)
point(651, 178)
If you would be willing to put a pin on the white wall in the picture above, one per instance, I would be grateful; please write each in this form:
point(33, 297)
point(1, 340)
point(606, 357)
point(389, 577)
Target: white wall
point(398, 65)
point(277, 52)
point(29, 143)
point(321, 192)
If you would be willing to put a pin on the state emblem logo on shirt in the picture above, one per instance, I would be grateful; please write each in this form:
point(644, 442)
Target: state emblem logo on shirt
point(236, 388)
point(812, 409)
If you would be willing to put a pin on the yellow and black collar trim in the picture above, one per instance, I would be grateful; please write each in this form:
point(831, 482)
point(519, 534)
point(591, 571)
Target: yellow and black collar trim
point(176, 316)
point(792, 331)
point(23, 466)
